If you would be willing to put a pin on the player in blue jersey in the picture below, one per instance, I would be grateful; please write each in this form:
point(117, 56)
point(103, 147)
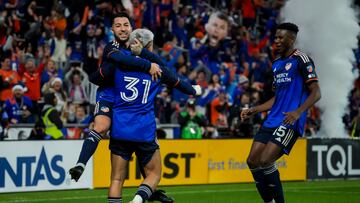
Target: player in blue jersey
point(296, 90)
point(118, 55)
point(133, 127)
point(112, 57)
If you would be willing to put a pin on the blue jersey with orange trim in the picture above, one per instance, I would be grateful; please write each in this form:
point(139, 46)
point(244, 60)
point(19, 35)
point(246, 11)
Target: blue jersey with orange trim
point(291, 76)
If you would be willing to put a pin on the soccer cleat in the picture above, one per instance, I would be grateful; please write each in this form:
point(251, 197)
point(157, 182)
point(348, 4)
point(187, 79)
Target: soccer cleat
point(159, 195)
point(76, 172)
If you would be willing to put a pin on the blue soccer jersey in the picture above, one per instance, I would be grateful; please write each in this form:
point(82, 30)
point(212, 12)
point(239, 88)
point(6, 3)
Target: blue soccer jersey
point(291, 76)
point(133, 110)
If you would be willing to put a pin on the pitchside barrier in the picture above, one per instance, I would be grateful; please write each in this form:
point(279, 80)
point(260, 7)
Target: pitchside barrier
point(202, 162)
point(44, 165)
point(333, 158)
point(40, 165)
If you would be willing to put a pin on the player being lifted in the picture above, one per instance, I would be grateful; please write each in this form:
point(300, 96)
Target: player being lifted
point(115, 56)
point(296, 90)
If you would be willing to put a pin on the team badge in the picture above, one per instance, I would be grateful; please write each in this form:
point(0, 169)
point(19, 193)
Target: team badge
point(105, 109)
point(309, 69)
point(288, 66)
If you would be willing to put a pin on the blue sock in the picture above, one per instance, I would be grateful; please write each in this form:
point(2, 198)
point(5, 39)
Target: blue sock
point(144, 191)
point(89, 146)
point(259, 178)
point(114, 200)
point(272, 179)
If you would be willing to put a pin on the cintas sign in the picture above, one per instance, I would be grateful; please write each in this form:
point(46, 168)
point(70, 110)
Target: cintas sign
point(333, 158)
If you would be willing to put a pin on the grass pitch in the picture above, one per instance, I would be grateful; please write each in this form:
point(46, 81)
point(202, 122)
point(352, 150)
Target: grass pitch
point(302, 192)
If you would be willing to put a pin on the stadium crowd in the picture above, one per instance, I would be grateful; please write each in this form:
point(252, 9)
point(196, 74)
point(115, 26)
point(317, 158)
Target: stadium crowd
point(53, 46)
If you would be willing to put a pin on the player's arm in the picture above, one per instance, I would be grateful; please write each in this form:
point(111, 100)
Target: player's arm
point(307, 69)
point(173, 81)
point(131, 63)
point(146, 54)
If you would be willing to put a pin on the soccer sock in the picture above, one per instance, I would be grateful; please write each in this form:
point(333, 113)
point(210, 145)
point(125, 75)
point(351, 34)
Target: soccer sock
point(114, 200)
point(259, 178)
point(89, 146)
point(144, 192)
point(272, 179)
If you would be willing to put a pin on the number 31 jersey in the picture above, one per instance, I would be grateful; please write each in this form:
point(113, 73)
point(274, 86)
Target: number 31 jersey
point(133, 110)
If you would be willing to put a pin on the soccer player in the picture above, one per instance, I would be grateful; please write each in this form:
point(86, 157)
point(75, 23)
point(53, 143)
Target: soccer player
point(296, 90)
point(134, 126)
point(105, 73)
point(105, 93)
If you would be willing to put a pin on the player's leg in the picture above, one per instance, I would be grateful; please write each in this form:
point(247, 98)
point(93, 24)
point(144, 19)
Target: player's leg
point(157, 195)
point(102, 124)
point(253, 162)
point(148, 154)
point(281, 142)
point(118, 175)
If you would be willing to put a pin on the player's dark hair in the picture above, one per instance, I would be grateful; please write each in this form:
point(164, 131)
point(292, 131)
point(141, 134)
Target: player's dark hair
point(288, 26)
point(121, 15)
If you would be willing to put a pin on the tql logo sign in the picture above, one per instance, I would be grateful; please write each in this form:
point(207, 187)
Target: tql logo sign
point(333, 158)
point(46, 168)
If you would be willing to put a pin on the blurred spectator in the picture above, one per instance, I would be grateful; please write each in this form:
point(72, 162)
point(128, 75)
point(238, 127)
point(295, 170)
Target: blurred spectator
point(163, 107)
point(19, 108)
point(56, 86)
point(78, 84)
point(191, 122)
point(50, 72)
point(31, 78)
point(81, 117)
point(51, 117)
point(218, 110)
point(9, 76)
point(38, 132)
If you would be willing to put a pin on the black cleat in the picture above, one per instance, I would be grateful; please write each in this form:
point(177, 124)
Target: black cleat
point(76, 172)
point(159, 195)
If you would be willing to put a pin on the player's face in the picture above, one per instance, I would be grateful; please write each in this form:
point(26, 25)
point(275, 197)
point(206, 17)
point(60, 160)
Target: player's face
point(122, 29)
point(217, 30)
point(283, 41)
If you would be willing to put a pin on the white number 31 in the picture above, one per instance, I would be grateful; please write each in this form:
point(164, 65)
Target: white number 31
point(135, 92)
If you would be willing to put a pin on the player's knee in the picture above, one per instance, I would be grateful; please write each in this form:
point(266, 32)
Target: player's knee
point(252, 163)
point(264, 162)
point(102, 124)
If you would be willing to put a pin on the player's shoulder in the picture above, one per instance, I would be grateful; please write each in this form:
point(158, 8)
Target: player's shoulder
point(301, 56)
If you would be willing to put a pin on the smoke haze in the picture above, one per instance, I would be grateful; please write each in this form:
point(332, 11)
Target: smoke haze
point(328, 33)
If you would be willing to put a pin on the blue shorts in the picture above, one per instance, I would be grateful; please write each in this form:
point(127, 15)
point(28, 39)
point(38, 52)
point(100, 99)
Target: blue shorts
point(281, 136)
point(104, 101)
point(143, 150)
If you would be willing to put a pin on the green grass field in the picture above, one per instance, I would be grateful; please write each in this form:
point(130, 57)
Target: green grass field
point(318, 192)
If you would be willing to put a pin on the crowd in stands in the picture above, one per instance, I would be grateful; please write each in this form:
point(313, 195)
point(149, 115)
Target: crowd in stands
point(51, 47)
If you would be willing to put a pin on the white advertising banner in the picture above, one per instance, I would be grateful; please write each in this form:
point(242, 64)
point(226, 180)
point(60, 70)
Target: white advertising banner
point(41, 165)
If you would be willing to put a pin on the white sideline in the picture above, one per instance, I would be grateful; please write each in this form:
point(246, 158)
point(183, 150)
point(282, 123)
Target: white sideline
point(287, 189)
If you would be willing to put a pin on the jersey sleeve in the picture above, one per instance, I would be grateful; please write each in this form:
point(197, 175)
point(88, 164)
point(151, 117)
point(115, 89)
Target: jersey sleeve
point(172, 80)
point(126, 62)
point(307, 69)
point(151, 57)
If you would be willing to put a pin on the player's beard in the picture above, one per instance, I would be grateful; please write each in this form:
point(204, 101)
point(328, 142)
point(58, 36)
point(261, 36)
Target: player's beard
point(122, 42)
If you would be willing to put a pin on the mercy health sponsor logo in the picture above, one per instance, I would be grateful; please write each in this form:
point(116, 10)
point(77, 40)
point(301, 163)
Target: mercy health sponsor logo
point(333, 158)
point(40, 165)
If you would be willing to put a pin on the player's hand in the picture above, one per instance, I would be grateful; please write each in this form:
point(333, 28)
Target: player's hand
point(197, 89)
point(247, 113)
point(136, 47)
point(155, 71)
point(291, 117)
